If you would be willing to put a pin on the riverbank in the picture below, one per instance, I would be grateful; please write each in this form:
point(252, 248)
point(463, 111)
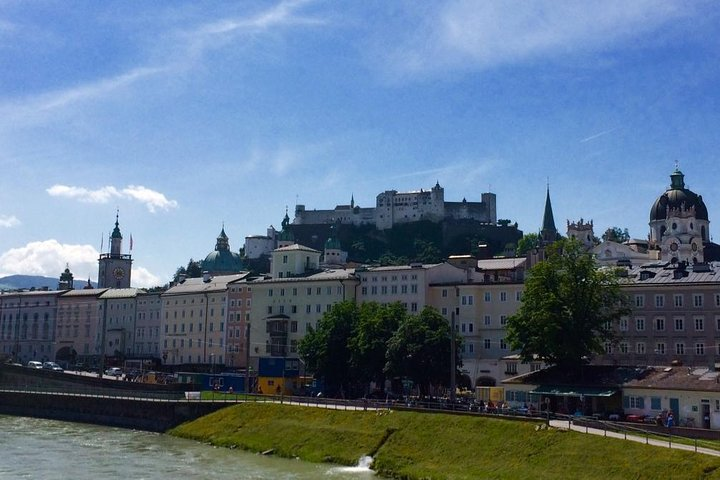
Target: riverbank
point(412, 445)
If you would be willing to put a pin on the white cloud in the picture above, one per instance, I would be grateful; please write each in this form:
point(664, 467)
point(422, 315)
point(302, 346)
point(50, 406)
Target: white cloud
point(480, 34)
point(101, 195)
point(152, 199)
point(48, 258)
point(142, 278)
point(9, 221)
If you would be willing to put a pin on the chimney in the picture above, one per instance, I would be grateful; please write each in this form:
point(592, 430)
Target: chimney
point(206, 277)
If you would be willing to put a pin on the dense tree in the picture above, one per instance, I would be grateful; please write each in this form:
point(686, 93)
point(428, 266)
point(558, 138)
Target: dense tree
point(376, 325)
point(527, 243)
point(616, 234)
point(420, 350)
point(326, 350)
point(568, 309)
point(427, 252)
point(193, 270)
point(390, 258)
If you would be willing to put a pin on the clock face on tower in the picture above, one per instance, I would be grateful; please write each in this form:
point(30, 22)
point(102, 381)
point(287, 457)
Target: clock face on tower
point(119, 273)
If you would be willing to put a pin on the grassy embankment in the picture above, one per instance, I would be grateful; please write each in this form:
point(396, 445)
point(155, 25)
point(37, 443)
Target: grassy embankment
point(412, 445)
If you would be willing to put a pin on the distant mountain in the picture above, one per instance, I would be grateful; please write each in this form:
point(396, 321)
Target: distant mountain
point(15, 282)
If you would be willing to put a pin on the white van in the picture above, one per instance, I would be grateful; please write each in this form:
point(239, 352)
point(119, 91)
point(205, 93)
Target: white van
point(34, 364)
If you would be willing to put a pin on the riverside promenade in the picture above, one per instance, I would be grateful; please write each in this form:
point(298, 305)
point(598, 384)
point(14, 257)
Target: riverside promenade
point(666, 440)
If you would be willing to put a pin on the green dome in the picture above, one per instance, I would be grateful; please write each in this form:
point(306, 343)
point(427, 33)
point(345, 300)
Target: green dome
point(332, 243)
point(222, 260)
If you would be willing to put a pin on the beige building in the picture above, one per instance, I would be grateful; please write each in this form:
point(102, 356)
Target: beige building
point(284, 309)
point(407, 284)
point(116, 330)
point(238, 321)
point(79, 324)
point(692, 394)
point(194, 315)
point(479, 309)
point(675, 317)
point(292, 300)
point(27, 325)
point(147, 326)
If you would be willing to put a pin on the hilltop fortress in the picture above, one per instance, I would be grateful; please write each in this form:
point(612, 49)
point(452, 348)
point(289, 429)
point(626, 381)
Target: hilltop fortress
point(393, 207)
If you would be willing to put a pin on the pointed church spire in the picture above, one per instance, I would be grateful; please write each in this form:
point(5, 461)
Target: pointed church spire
point(548, 233)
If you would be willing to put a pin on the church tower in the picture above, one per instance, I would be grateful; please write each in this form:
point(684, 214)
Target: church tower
point(582, 232)
point(548, 233)
point(67, 281)
point(286, 237)
point(679, 223)
point(115, 267)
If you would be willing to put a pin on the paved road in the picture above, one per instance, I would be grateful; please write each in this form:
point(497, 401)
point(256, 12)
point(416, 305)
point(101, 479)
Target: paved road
point(564, 425)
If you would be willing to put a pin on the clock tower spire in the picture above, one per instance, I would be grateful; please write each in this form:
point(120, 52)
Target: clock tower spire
point(115, 267)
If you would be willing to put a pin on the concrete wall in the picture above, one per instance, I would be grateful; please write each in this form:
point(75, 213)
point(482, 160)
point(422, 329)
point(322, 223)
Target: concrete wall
point(154, 416)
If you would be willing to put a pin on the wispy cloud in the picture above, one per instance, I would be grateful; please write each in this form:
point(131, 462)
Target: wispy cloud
point(597, 135)
point(463, 172)
point(152, 199)
point(469, 34)
point(9, 221)
point(37, 108)
point(173, 52)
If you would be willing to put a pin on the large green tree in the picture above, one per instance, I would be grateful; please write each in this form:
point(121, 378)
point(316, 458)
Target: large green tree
point(420, 350)
point(569, 308)
point(375, 327)
point(326, 349)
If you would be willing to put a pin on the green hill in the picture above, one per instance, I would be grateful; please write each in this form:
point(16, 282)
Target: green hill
point(412, 445)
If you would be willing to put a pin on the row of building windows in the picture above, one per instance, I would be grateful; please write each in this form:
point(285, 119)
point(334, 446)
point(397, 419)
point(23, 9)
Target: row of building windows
point(678, 324)
point(698, 300)
point(211, 327)
point(308, 291)
point(392, 291)
point(180, 342)
point(487, 297)
point(699, 348)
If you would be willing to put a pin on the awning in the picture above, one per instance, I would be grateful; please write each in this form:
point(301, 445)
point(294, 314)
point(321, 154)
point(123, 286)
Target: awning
point(570, 391)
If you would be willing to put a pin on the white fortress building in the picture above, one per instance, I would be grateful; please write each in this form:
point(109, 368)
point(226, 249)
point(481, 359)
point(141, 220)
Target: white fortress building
point(393, 207)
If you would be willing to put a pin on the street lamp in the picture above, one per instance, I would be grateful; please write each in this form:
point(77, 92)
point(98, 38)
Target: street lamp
point(452, 358)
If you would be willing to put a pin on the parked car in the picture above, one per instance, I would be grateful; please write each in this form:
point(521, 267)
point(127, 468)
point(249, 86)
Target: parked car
point(114, 371)
point(52, 366)
point(34, 364)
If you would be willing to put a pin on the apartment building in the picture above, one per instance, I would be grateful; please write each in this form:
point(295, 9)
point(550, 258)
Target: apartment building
point(27, 325)
point(79, 324)
point(147, 326)
point(194, 315)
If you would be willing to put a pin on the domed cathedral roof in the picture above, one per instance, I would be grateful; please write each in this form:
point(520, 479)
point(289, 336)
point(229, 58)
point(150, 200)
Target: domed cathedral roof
point(222, 261)
point(678, 197)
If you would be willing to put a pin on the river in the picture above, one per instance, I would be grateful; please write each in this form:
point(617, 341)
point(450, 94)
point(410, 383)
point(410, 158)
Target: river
point(34, 448)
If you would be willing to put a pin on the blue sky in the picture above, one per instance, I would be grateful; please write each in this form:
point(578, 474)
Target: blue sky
point(185, 115)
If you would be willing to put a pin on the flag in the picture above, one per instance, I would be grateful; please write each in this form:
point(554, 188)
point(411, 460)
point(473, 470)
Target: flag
point(131, 242)
point(102, 239)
